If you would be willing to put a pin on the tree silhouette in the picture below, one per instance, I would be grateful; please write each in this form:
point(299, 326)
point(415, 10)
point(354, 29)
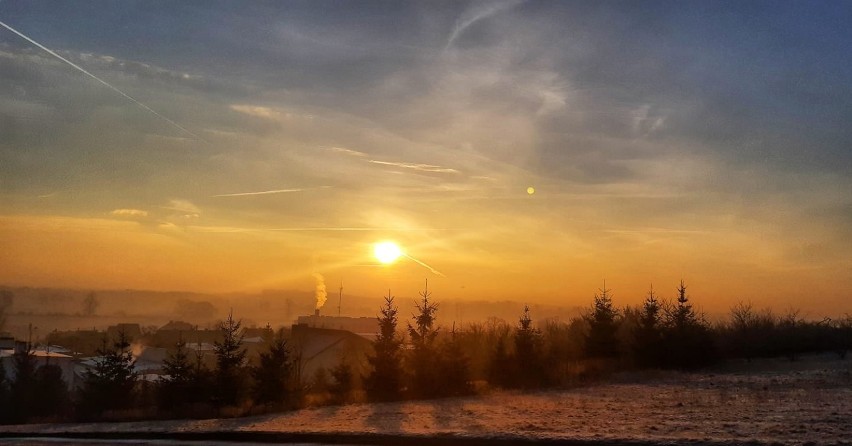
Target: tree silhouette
point(23, 388)
point(647, 335)
point(90, 304)
point(6, 300)
point(751, 333)
point(383, 382)
point(453, 367)
point(528, 354)
point(179, 384)
point(5, 402)
point(109, 384)
point(601, 342)
point(229, 362)
point(686, 336)
point(425, 382)
point(272, 376)
point(501, 371)
point(51, 395)
point(344, 381)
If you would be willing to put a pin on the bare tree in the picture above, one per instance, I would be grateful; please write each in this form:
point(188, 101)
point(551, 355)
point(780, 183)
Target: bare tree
point(7, 298)
point(90, 304)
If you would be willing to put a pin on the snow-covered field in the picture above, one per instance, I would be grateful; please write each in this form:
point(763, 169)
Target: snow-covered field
point(772, 401)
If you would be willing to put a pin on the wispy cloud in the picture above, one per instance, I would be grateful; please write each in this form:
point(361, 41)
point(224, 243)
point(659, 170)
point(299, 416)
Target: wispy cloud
point(272, 114)
point(417, 166)
point(129, 213)
point(475, 15)
point(185, 208)
point(234, 229)
point(346, 151)
point(105, 83)
point(271, 192)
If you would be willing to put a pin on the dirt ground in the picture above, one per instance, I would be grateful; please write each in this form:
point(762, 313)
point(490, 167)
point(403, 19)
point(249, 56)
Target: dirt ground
point(769, 401)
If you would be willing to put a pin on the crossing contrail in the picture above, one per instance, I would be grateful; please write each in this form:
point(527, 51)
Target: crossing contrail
point(435, 271)
point(83, 70)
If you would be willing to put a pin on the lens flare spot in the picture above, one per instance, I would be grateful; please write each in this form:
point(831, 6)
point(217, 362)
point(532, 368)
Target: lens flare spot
point(386, 252)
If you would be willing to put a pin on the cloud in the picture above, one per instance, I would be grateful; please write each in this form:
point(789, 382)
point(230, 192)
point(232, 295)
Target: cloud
point(133, 213)
point(417, 166)
point(270, 113)
point(270, 192)
point(184, 209)
point(470, 17)
point(346, 151)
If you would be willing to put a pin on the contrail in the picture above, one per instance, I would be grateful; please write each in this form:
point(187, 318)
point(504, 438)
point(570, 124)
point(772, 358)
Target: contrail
point(83, 70)
point(268, 192)
point(426, 266)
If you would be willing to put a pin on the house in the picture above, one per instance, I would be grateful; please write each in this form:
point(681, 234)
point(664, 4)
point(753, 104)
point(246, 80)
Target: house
point(43, 356)
point(324, 348)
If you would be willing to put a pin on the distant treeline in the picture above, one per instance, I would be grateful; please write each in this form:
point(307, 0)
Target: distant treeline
point(419, 360)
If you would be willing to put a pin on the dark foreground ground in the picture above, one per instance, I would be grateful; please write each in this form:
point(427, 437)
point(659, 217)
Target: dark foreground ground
point(766, 402)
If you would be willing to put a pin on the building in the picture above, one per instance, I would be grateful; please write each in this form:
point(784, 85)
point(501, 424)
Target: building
point(366, 327)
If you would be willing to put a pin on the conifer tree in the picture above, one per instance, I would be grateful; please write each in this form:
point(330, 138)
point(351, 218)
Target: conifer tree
point(647, 334)
point(344, 381)
point(23, 388)
point(109, 385)
point(384, 381)
point(601, 342)
point(51, 394)
point(686, 337)
point(176, 384)
point(229, 362)
point(528, 344)
point(502, 369)
point(273, 374)
point(425, 382)
point(454, 368)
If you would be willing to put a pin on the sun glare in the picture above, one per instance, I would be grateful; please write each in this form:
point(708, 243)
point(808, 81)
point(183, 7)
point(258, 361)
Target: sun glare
point(387, 252)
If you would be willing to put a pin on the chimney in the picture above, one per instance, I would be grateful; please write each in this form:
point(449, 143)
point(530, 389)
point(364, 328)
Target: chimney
point(316, 312)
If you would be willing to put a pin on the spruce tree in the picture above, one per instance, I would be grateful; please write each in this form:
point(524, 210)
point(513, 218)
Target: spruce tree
point(109, 385)
point(454, 368)
point(384, 381)
point(502, 369)
point(230, 355)
point(425, 382)
point(175, 385)
point(647, 334)
point(272, 375)
point(344, 381)
point(528, 345)
point(601, 342)
point(51, 394)
point(23, 388)
point(686, 337)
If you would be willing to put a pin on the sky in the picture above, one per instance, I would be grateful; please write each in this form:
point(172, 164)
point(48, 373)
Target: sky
point(242, 146)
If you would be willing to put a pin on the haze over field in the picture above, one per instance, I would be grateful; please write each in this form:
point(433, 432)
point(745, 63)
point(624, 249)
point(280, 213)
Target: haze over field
point(513, 150)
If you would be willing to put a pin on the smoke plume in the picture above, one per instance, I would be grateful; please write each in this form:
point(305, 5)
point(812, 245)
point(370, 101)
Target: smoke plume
point(320, 291)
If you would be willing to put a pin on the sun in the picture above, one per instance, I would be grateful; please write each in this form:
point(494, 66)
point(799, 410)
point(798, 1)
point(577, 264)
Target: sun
point(386, 252)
